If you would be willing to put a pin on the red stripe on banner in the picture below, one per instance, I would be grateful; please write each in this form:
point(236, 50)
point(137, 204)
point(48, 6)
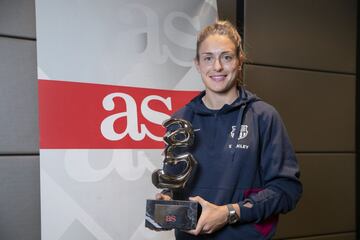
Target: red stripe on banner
point(76, 115)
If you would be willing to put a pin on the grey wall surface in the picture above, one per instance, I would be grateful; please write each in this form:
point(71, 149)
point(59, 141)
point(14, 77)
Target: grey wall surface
point(302, 59)
point(19, 160)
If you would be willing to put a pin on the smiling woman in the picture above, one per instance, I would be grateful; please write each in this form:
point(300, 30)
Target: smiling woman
point(219, 58)
point(219, 68)
point(247, 170)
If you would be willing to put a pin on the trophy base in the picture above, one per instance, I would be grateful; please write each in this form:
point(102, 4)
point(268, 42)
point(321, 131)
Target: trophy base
point(164, 215)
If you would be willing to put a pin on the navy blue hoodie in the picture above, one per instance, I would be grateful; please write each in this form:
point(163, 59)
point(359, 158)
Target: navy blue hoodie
point(244, 155)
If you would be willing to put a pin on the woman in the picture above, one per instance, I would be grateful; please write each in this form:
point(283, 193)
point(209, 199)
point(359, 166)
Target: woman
point(247, 171)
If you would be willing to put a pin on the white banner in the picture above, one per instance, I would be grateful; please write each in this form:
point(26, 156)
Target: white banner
point(109, 73)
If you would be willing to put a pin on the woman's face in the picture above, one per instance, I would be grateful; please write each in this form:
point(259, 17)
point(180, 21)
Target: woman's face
point(218, 64)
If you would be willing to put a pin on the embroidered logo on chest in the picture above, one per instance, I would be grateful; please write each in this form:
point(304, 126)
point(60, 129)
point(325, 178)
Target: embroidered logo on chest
point(242, 134)
point(243, 131)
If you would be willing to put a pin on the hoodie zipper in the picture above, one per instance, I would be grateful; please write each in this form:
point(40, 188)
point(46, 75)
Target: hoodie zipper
point(213, 142)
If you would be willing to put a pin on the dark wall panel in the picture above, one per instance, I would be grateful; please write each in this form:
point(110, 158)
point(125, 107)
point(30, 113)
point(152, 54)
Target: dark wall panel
point(18, 97)
point(328, 202)
point(19, 198)
point(318, 108)
point(227, 10)
point(307, 34)
point(17, 18)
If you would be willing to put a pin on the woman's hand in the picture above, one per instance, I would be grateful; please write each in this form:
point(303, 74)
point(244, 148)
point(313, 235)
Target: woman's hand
point(212, 218)
point(161, 196)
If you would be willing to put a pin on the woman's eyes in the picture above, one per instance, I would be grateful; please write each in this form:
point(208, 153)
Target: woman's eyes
point(208, 59)
point(228, 58)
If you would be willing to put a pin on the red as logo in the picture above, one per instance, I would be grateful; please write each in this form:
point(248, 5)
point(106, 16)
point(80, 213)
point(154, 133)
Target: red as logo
point(170, 218)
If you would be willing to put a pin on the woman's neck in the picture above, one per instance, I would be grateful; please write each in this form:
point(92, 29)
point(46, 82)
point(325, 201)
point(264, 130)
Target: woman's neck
point(216, 101)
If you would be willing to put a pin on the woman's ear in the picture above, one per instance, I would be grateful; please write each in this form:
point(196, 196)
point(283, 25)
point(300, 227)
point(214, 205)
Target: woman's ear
point(241, 63)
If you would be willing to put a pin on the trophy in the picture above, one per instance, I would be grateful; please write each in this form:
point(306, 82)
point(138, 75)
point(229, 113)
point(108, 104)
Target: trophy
point(178, 166)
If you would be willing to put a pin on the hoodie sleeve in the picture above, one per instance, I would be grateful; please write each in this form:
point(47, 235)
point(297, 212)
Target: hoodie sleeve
point(279, 172)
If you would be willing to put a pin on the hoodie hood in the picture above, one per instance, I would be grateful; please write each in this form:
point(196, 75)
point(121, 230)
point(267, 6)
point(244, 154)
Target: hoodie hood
point(245, 97)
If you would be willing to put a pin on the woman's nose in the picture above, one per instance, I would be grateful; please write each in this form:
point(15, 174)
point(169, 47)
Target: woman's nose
point(217, 65)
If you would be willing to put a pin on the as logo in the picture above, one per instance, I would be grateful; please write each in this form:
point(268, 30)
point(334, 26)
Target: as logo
point(243, 131)
point(104, 116)
point(136, 131)
point(170, 218)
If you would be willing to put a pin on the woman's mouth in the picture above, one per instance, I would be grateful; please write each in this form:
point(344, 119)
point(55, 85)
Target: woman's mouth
point(218, 78)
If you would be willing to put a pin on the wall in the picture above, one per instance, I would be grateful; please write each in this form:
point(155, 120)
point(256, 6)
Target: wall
point(302, 59)
point(19, 155)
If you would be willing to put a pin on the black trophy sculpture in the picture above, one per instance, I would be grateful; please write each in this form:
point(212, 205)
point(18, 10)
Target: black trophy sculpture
point(174, 214)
